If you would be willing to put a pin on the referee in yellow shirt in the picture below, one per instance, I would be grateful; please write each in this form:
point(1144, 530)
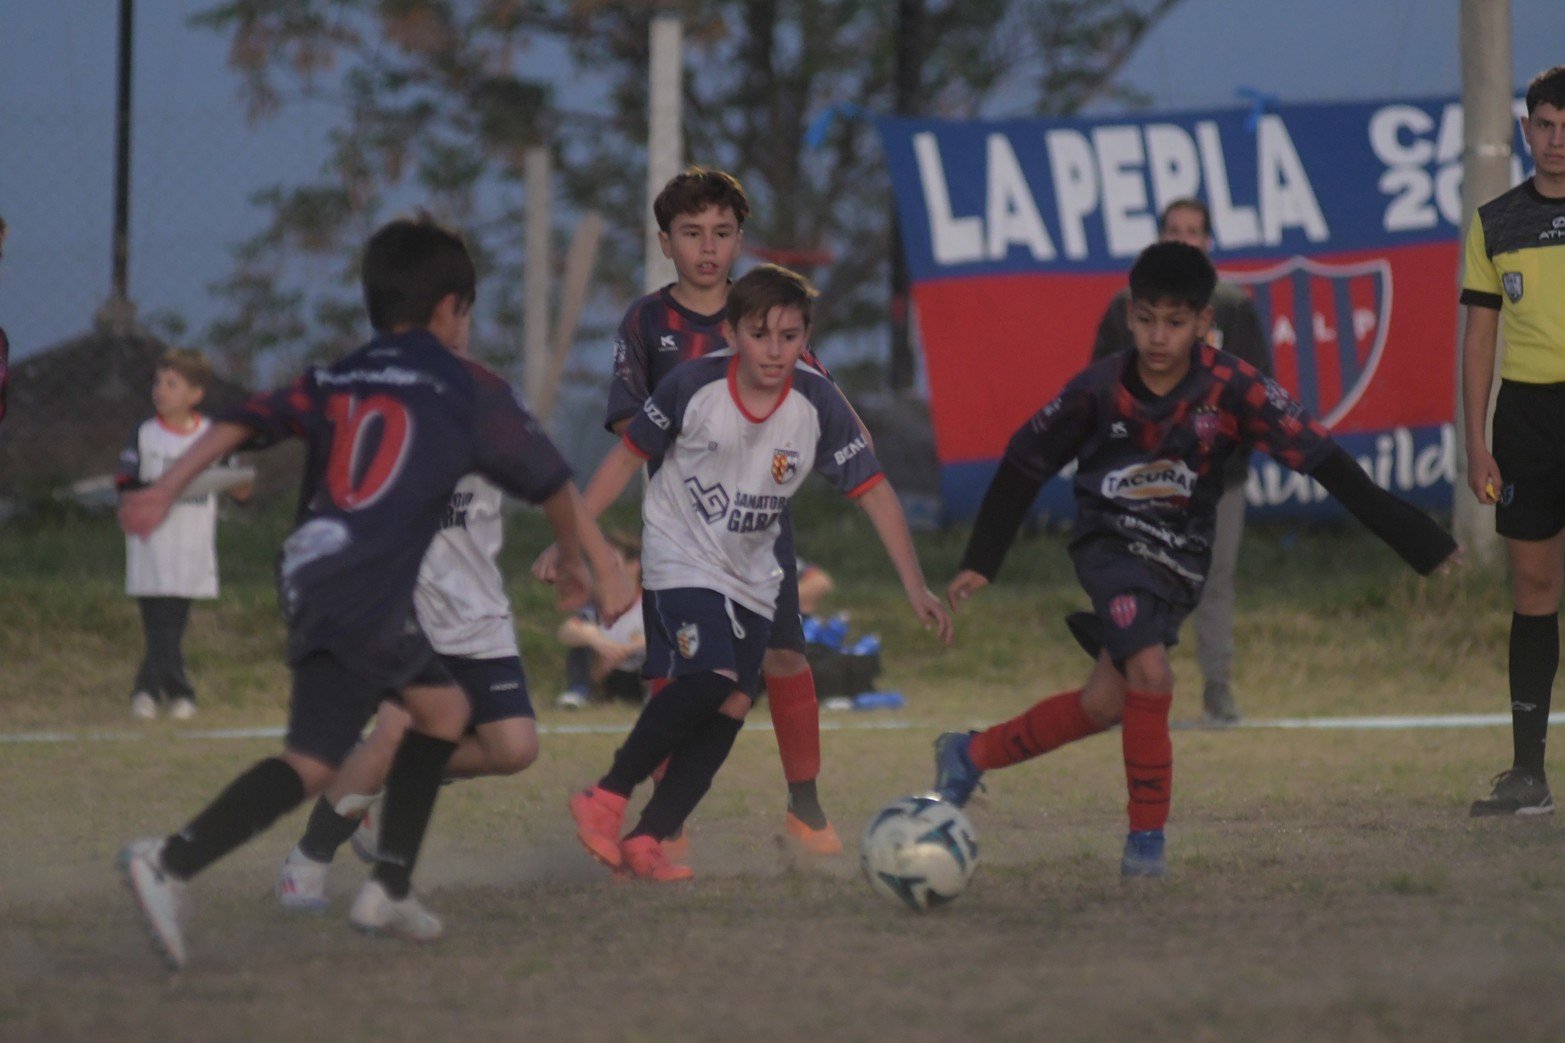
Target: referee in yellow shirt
point(1514, 273)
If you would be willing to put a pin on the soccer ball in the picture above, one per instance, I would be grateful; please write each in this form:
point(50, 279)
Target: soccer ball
point(920, 851)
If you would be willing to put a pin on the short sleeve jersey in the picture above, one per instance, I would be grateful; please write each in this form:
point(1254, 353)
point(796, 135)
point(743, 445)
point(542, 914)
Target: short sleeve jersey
point(657, 334)
point(392, 428)
point(460, 597)
point(1514, 263)
point(1149, 469)
point(722, 477)
point(179, 559)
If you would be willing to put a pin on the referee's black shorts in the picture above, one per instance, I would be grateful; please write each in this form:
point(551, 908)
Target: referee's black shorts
point(1529, 447)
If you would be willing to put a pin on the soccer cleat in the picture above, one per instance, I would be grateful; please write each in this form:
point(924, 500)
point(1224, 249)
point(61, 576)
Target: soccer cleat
point(644, 858)
point(301, 883)
point(1516, 792)
point(182, 709)
point(366, 839)
point(143, 707)
point(376, 912)
point(571, 700)
point(677, 847)
point(823, 841)
point(955, 774)
point(1143, 854)
point(599, 815)
point(158, 895)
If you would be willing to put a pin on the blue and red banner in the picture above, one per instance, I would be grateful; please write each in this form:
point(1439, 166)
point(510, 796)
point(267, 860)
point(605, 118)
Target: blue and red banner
point(1340, 220)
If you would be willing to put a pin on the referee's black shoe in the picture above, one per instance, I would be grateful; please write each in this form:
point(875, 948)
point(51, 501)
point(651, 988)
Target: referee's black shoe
point(1516, 792)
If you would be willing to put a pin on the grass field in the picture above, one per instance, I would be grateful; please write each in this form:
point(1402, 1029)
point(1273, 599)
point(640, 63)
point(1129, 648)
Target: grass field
point(1323, 885)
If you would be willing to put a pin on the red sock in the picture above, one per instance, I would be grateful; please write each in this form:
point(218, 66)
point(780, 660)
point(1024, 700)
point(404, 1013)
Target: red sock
point(656, 685)
point(1149, 758)
point(1048, 725)
point(796, 719)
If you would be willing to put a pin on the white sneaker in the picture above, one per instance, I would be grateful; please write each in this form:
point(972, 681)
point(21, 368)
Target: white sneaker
point(182, 709)
point(366, 839)
point(157, 894)
point(301, 883)
point(375, 911)
point(143, 707)
point(571, 700)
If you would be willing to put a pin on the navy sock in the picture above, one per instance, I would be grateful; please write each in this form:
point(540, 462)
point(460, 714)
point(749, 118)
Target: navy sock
point(1534, 659)
point(326, 831)
point(689, 776)
point(250, 804)
point(411, 789)
point(666, 721)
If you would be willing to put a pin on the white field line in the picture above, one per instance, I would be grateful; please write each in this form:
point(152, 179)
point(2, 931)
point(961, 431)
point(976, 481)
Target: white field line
point(854, 722)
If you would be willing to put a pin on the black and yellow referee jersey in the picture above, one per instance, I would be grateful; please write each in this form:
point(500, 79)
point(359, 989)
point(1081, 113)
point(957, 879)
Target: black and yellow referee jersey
point(1515, 264)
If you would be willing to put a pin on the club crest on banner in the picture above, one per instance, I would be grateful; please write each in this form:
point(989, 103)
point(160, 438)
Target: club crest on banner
point(785, 464)
point(1327, 326)
point(688, 638)
point(1123, 610)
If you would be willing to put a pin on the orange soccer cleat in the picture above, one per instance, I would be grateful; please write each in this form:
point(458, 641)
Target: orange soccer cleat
point(599, 814)
point(644, 858)
point(677, 847)
point(823, 841)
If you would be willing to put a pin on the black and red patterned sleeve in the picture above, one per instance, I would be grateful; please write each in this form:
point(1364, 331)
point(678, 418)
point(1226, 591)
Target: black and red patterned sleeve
point(277, 415)
point(511, 448)
point(1273, 422)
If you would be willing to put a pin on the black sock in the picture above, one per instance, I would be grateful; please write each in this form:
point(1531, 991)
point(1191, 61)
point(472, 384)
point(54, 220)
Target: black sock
point(666, 721)
point(251, 803)
point(805, 804)
point(411, 788)
point(689, 776)
point(326, 832)
point(1535, 656)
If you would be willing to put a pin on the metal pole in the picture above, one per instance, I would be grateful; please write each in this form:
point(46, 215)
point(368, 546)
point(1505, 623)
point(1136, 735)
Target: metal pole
point(909, 59)
point(1487, 130)
point(665, 137)
point(536, 275)
point(122, 154)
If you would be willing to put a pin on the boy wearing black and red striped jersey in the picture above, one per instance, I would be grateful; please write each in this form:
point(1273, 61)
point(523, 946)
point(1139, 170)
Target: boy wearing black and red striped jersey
point(701, 215)
point(391, 429)
point(1150, 432)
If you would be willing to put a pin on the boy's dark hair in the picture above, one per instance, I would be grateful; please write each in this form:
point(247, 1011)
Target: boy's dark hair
point(768, 286)
point(694, 191)
point(1170, 271)
point(1547, 88)
point(409, 266)
point(188, 363)
point(1187, 203)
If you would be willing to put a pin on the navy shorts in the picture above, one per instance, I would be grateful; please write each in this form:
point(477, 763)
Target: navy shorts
point(1131, 608)
point(787, 622)
point(496, 688)
point(331, 704)
point(692, 630)
point(1529, 447)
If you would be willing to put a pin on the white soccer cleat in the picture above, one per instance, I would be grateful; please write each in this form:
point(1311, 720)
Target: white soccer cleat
point(301, 883)
point(182, 709)
point(143, 707)
point(366, 839)
point(157, 894)
point(377, 912)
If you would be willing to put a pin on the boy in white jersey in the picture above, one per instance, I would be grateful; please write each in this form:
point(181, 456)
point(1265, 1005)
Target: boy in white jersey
point(729, 439)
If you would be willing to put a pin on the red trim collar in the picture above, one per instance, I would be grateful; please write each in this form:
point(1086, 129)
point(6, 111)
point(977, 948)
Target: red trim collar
point(733, 392)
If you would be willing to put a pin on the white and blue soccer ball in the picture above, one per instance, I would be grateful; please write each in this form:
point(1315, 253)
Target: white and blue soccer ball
point(920, 851)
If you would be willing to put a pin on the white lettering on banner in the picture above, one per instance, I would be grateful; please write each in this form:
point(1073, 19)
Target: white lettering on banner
point(1397, 465)
point(952, 241)
point(1120, 175)
point(1400, 136)
point(1012, 214)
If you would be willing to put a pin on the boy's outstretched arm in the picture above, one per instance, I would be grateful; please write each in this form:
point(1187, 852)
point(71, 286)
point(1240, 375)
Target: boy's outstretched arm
point(1009, 497)
point(608, 481)
point(1407, 530)
point(143, 510)
point(880, 502)
point(575, 535)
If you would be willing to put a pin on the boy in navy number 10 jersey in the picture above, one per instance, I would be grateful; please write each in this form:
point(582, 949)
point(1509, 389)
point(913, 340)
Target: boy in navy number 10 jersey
point(392, 428)
point(1150, 431)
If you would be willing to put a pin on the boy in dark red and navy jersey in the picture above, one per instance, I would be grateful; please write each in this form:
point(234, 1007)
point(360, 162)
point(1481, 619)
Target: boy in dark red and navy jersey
point(701, 215)
point(1150, 431)
point(391, 428)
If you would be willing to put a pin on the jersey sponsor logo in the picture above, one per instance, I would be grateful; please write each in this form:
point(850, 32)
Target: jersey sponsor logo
point(1328, 318)
point(1152, 480)
point(710, 501)
point(505, 686)
point(1118, 430)
point(1511, 282)
point(656, 415)
point(785, 464)
point(456, 511)
point(849, 451)
point(1165, 559)
point(755, 513)
point(1178, 541)
point(1122, 610)
point(620, 353)
point(667, 342)
point(1555, 231)
point(688, 638)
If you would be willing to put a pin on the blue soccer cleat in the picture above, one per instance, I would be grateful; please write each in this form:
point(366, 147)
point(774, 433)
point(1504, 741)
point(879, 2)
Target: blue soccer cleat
point(1143, 854)
point(955, 774)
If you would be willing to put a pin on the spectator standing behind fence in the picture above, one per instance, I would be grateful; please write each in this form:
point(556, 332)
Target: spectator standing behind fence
point(605, 661)
point(1236, 329)
point(178, 562)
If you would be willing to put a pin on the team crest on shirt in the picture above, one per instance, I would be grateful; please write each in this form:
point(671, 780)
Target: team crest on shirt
point(1205, 422)
point(1511, 282)
point(1123, 610)
point(1327, 325)
point(688, 637)
point(785, 464)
